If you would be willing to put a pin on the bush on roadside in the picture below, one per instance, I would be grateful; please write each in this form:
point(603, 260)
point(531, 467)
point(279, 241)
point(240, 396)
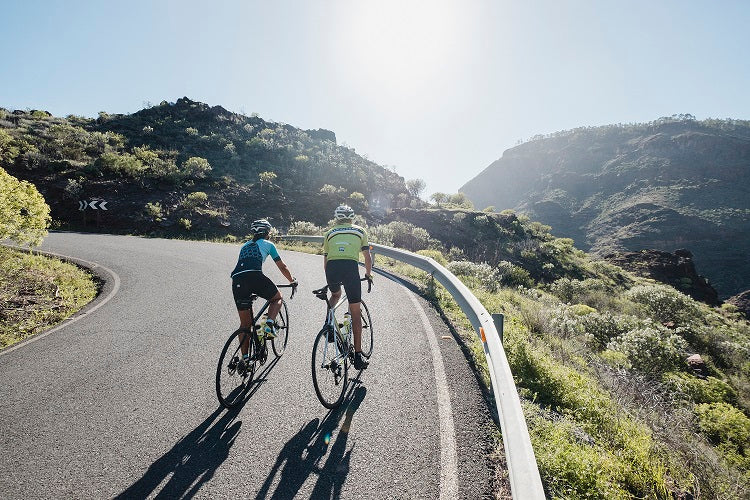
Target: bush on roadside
point(650, 349)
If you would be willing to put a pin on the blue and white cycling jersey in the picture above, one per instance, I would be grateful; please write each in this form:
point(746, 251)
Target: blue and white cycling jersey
point(252, 255)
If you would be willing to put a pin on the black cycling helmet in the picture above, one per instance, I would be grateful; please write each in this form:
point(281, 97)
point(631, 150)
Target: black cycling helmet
point(343, 212)
point(260, 227)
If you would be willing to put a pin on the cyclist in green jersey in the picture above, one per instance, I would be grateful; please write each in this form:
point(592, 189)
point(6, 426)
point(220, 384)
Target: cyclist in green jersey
point(341, 247)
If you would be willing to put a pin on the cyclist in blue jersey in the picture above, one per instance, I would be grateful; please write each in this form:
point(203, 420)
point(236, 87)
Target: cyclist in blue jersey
point(248, 279)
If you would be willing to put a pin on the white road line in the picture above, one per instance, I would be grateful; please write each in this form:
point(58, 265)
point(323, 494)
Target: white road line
point(80, 314)
point(448, 457)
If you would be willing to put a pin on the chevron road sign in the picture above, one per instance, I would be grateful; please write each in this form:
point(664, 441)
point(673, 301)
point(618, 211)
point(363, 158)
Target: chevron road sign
point(82, 205)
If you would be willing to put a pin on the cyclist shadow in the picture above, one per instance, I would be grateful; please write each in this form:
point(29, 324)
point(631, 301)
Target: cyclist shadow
point(192, 461)
point(303, 454)
point(259, 379)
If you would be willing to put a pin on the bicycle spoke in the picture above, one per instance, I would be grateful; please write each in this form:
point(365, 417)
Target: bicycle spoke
point(233, 375)
point(329, 371)
point(282, 335)
point(367, 331)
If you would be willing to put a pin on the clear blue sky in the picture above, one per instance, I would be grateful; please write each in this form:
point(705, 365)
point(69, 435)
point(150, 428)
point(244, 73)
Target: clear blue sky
point(437, 89)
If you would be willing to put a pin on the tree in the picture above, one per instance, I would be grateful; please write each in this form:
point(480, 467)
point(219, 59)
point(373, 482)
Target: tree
point(438, 198)
point(415, 187)
point(24, 215)
point(460, 200)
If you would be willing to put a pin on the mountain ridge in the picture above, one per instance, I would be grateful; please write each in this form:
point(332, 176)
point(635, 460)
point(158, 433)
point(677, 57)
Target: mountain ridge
point(664, 185)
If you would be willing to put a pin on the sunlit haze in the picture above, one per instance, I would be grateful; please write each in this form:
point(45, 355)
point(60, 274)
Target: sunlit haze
point(437, 90)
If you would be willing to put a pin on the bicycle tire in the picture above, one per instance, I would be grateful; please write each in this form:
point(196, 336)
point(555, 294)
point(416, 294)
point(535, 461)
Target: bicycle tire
point(330, 376)
point(282, 334)
point(232, 381)
point(367, 330)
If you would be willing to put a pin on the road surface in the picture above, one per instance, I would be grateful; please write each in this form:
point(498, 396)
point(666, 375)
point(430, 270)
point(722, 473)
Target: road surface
point(121, 403)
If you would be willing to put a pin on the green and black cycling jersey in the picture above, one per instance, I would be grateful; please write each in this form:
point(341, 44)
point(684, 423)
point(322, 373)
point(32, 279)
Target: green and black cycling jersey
point(345, 241)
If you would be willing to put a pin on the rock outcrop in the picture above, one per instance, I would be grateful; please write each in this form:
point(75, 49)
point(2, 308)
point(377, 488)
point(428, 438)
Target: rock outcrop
point(676, 269)
point(742, 302)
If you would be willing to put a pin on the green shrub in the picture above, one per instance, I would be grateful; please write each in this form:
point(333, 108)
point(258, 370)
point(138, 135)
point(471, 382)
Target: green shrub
point(664, 304)
point(193, 200)
point(434, 255)
point(512, 275)
point(709, 390)
point(600, 328)
point(401, 235)
point(185, 223)
point(24, 215)
point(267, 178)
point(154, 211)
point(9, 149)
point(584, 446)
point(191, 131)
point(305, 228)
point(122, 164)
point(650, 350)
point(729, 429)
point(479, 275)
point(196, 167)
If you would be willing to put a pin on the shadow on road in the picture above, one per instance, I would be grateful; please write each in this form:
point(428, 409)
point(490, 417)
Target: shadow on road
point(192, 461)
point(258, 380)
point(304, 453)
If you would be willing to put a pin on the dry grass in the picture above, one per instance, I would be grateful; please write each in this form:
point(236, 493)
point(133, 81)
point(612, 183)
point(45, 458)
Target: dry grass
point(38, 292)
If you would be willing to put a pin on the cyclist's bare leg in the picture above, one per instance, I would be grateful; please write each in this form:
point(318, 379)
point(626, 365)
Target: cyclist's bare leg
point(335, 296)
point(274, 306)
point(246, 321)
point(356, 313)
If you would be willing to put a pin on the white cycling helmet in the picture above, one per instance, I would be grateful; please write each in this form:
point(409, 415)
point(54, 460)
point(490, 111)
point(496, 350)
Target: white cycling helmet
point(343, 212)
point(260, 227)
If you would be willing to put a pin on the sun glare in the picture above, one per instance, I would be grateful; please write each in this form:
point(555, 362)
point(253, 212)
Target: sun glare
point(399, 46)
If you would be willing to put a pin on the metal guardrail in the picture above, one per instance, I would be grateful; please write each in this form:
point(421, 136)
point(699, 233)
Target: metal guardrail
point(523, 472)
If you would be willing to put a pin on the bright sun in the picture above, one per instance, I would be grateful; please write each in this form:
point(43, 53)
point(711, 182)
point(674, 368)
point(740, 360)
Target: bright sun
point(399, 46)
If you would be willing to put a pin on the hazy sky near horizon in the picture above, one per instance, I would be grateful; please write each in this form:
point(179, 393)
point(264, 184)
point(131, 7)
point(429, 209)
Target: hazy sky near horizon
point(437, 89)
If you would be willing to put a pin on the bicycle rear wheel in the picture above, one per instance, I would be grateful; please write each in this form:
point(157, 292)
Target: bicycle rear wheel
point(282, 335)
point(329, 370)
point(367, 330)
point(233, 376)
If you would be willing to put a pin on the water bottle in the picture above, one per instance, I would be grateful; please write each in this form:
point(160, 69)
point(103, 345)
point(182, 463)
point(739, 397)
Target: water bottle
point(347, 323)
point(261, 327)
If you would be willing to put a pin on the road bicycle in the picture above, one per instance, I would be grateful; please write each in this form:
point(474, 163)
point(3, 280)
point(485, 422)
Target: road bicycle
point(333, 349)
point(233, 374)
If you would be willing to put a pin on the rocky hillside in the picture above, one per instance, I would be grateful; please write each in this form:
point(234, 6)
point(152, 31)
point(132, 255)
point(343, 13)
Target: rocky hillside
point(673, 183)
point(187, 167)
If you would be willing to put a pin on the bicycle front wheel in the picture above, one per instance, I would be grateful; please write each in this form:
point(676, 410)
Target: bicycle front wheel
point(233, 375)
point(329, 371)
point(367, 330)
point(282, 334)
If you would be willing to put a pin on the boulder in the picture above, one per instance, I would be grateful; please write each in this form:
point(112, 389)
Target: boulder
point(697, 365)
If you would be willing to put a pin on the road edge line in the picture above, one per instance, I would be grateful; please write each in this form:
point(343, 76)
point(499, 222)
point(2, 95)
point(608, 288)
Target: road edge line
point(448, 448)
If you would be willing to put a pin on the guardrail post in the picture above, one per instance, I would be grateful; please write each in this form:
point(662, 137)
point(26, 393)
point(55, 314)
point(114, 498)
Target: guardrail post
point(499, 320)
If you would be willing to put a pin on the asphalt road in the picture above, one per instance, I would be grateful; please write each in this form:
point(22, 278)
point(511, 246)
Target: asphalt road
point(121, 401)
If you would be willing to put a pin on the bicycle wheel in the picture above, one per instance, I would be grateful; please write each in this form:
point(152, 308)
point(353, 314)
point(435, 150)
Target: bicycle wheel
point(282, 335)
point(233, 377)
point(329, 371)
point(367, 330)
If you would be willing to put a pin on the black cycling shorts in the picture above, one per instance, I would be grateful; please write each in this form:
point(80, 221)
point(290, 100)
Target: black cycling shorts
point(251, 282)
point(344, 271)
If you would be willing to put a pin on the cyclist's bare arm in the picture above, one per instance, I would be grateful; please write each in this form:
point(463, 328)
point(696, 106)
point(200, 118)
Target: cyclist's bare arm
point(284, 270)
point(368, 262)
